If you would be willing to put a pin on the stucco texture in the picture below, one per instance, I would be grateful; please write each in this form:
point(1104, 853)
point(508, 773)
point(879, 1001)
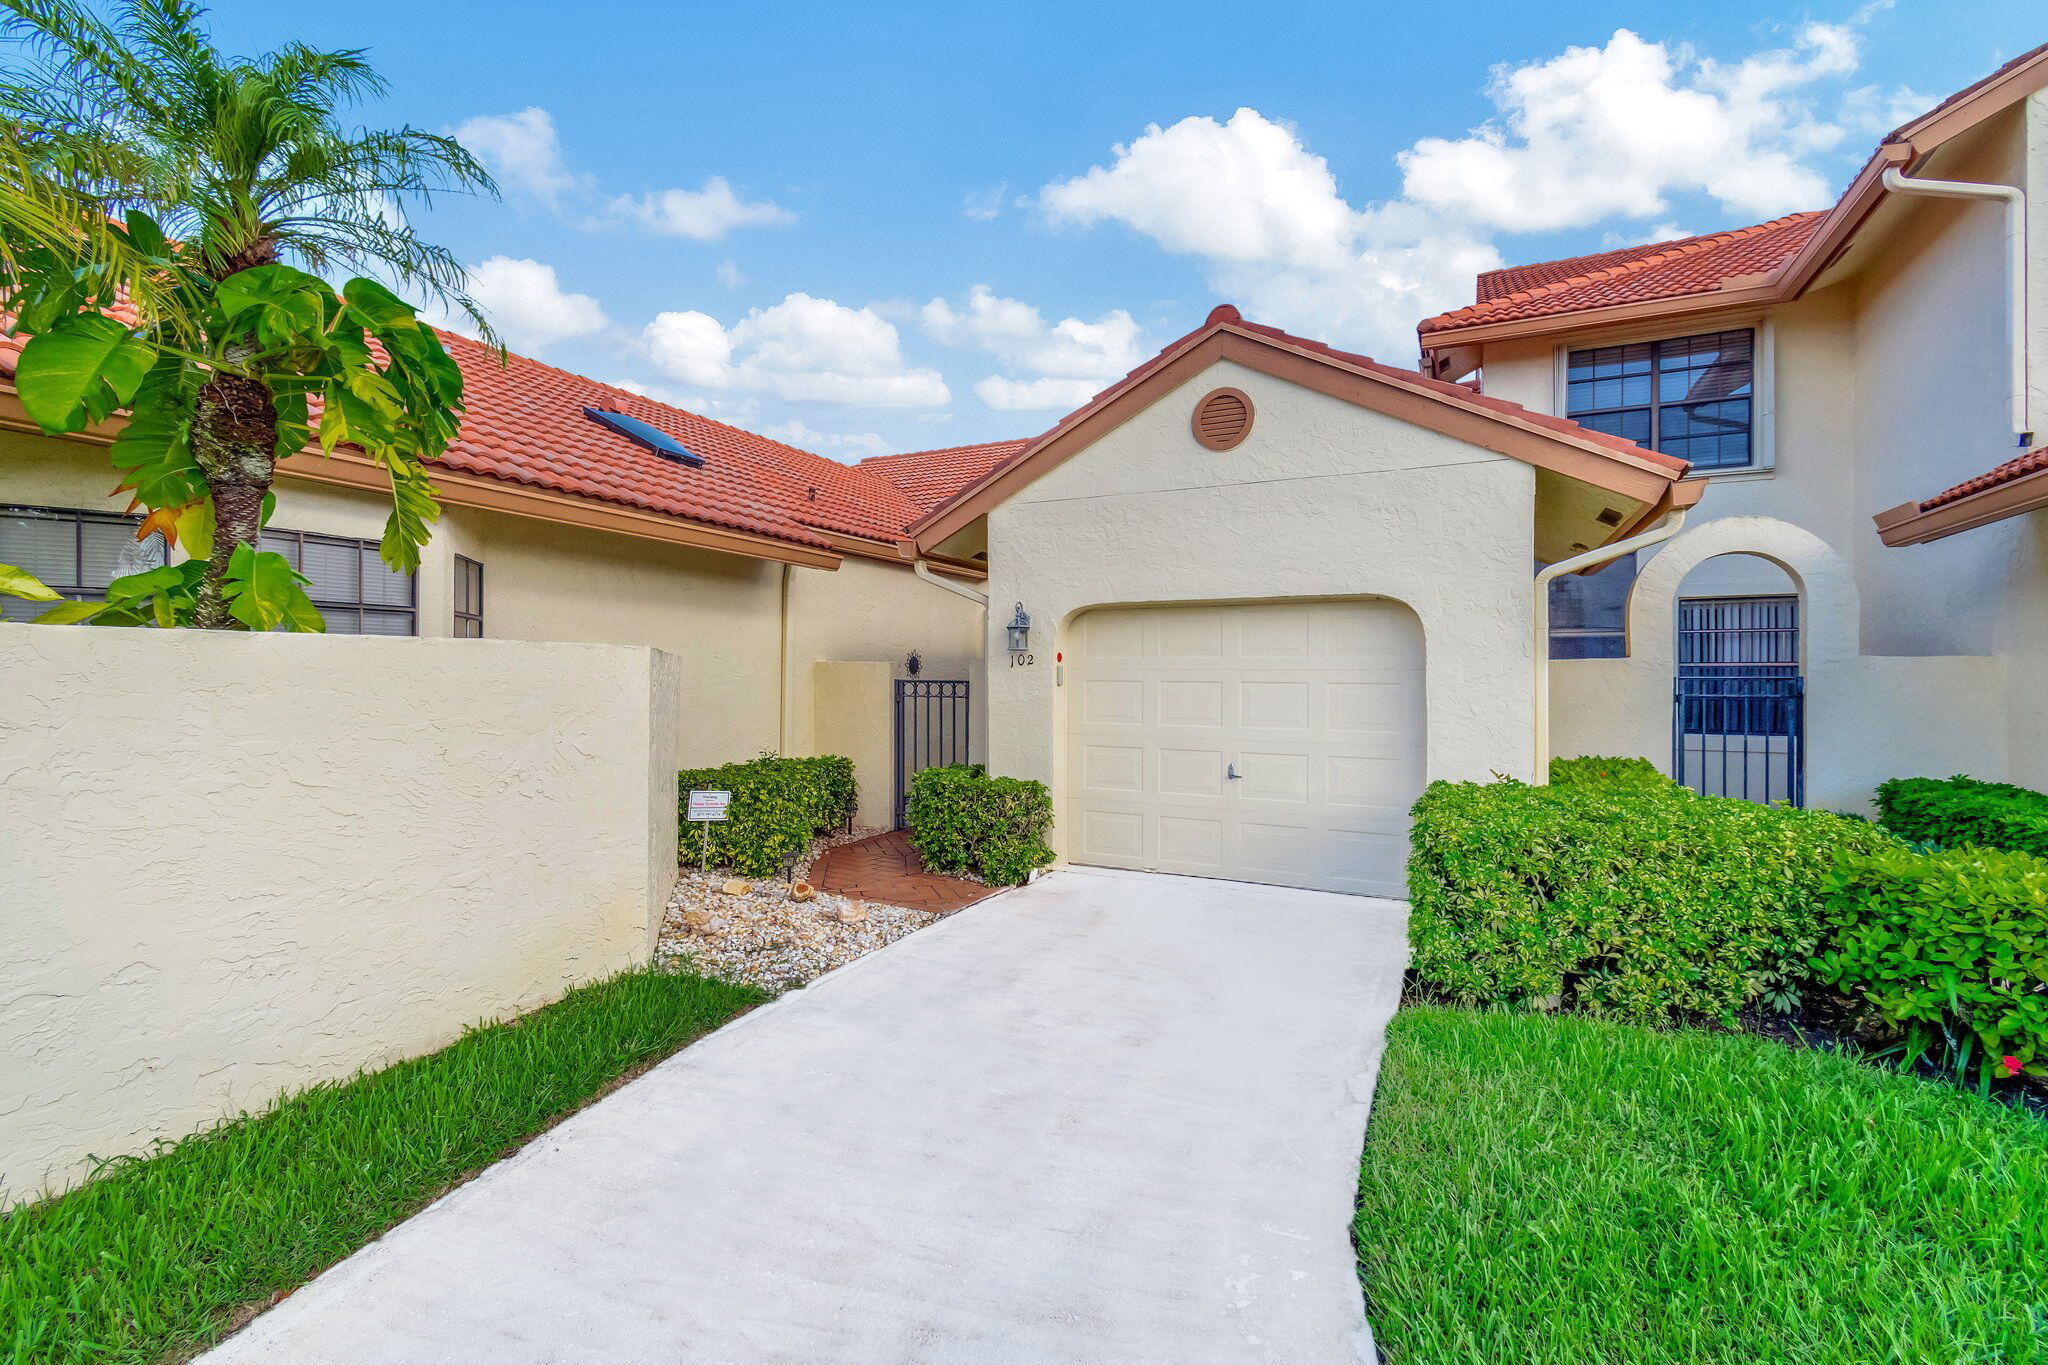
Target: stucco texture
point(236, 865)
point(1323, 499)
point(1868, 716)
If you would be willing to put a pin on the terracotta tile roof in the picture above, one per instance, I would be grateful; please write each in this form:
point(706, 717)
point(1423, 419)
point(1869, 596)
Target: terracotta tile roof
point(524, 423)
point(2033, 462)
point(1661, 270)
point(931, 477)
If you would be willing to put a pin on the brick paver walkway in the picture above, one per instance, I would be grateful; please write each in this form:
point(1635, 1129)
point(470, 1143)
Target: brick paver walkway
point(887, 869)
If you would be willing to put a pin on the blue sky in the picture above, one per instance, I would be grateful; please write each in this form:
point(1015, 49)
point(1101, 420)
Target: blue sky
point(869, 228)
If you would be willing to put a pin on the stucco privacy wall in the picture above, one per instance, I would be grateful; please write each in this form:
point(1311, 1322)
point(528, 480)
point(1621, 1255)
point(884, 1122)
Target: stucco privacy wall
point(851, 701)
point(235, 865)
point(1322, 499)
point(1868, 717)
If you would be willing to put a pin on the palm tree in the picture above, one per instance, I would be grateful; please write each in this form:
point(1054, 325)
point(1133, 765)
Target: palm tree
point(195, 198)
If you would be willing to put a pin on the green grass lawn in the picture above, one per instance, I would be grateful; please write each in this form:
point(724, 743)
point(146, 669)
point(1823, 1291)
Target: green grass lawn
point(1540, 1189)
point(155, 1258)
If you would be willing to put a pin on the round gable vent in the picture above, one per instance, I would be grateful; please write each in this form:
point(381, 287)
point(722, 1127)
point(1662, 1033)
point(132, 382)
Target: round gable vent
point(1223, 418)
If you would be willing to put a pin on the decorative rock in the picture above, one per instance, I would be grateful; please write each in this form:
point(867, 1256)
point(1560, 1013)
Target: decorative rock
point(802, 891)
point(737, 887)
point(696, 921)
point(853, 912)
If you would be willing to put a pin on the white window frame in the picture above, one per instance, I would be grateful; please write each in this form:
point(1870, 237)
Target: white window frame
point(1763, 444)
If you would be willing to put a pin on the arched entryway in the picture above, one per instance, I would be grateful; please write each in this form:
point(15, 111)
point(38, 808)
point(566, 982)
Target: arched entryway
point(1739, 689)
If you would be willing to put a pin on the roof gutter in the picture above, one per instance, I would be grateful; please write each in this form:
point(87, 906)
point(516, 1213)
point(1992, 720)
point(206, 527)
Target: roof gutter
point(1663, 531)
point(924, 571)
point(2015, 202)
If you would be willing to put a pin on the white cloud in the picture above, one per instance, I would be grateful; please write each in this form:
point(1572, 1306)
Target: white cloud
point(803, 436)
point(1635, 236)
point(704, 215)
point(730, 274)
point(982, 205)
point(1064, 363)
point(1246, 190)
point(1250, 199)
point(526, 303)
point(802, 349)
point(1601, 132)
point(1591, 135)
point(523, 151)
point(1030, 395)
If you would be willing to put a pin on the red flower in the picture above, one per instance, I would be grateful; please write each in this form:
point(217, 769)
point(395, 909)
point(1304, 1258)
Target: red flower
point(2011, 1065)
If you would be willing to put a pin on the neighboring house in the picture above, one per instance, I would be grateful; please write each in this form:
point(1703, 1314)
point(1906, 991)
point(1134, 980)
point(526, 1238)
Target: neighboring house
point(774, 575)
point(1841, 380)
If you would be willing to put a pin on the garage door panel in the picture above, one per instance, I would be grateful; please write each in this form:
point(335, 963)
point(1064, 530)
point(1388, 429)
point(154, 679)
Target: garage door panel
point(1186, 635)
point(1273, 777)
point(1113, 770)
point(1274, 705)
point(1112, 836)
point(1185, 703)
point(1318, 705)
point(1112, 702)
point(1187, 843)
point(1191, 772)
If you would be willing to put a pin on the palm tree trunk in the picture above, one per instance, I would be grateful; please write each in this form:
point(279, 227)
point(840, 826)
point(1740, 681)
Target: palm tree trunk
point(234, 439)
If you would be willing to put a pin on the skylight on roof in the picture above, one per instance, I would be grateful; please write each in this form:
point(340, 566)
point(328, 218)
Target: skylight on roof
point(645, 434)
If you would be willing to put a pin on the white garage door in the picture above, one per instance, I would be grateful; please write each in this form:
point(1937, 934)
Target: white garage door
point(1266, 742)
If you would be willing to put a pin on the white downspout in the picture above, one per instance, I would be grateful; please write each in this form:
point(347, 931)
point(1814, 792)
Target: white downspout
point(2015, 201)
point(1662, 531)
point(924, 571)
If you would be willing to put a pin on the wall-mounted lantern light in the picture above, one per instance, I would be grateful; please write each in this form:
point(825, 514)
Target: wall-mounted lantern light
point(1020, 631)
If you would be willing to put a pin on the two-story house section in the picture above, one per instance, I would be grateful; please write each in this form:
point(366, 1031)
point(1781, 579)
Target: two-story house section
point(1859, 593)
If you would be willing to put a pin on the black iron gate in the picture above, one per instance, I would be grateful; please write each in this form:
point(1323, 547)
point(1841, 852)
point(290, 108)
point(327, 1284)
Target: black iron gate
point(931, 730)
point(1738, 706)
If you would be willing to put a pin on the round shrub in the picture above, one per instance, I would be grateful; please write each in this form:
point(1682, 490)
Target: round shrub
point(1638, 900)
point(778, 806)
point(963, 820)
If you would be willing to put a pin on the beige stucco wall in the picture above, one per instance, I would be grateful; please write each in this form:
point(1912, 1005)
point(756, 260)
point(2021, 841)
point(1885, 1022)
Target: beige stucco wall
point(235, 865)
point(719, 614)
point(1323, 499)
point(850, 717)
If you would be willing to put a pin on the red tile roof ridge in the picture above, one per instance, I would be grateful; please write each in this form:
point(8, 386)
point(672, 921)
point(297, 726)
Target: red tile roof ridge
point(1667, 253)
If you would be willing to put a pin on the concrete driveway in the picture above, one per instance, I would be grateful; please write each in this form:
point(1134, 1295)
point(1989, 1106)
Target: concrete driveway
point(1110, 1117)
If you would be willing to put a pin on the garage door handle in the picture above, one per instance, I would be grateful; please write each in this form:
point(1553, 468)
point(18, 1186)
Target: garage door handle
point(1230, 771)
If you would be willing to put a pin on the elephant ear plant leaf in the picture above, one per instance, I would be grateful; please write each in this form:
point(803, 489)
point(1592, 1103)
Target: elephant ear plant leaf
point(169, 215)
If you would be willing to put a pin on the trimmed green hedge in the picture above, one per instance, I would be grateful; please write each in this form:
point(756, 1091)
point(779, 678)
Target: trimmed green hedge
point(778, 806)
point(1630, 898)
point(963, 820)
point(1951, 948)
point(1593, 771)
point(1961, 810)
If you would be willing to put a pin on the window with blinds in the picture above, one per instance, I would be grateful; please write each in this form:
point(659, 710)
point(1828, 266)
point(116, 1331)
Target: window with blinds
point(356, 592)
point(76, 553)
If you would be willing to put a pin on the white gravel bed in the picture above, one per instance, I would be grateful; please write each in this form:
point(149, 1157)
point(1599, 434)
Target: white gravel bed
point(766, 937)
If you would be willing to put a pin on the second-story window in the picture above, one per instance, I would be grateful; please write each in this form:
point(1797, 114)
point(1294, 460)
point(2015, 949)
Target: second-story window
point(354, 590)
point(1693, 397)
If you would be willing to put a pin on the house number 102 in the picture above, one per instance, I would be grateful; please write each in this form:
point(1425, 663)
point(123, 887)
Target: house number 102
point(1023, 659)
